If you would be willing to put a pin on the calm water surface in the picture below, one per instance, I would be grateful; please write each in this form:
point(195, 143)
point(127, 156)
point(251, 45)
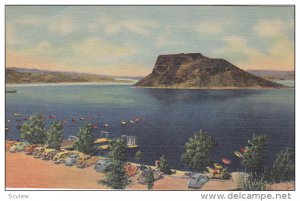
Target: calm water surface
point(168, 117)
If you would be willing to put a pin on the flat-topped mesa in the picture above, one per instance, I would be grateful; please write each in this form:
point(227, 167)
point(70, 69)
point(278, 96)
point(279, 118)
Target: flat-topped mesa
point(193, 70)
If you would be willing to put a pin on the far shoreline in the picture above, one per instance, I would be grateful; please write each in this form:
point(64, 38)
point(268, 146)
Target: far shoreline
point(67, 84)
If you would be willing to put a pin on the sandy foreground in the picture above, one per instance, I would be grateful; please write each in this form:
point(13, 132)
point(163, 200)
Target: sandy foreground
point(23, 171)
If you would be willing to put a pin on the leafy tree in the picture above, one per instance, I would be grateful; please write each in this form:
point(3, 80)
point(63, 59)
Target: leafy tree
point(164, 165)
point(55, 134)
point(117, 149)
point(284, 166)
point(198, 150)
point(115, 175)
point(253, 159)
point(34, 130)
point(150, 179)
point(138, 157)
point(85, 142)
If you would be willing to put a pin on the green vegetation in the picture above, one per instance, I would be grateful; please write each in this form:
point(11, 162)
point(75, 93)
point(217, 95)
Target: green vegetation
point(85, 142)
point(198, 150)
point(150, 179)
point(16, 77)
point(253, 159)
point(55, 134)
point(250, 184)
point(115, 176)
point(164, 165)
point(117, 149)
point(284, 166)
point(138, 157)
point(34, 130)
point(225, 174)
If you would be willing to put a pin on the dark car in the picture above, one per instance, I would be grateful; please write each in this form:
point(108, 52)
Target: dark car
point(197, 180)
point(102, 164)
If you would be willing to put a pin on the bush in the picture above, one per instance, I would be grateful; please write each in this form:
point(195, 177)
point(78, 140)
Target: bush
point(253, 159)
point(164, 165)
point(198, 150)
point(115, 176)
point(85, 142)
point(225, 174)
point(117, 149)
point(284, 166)
point(54, 135)
point(250, 184)
point(34, 130)
point(150, 179)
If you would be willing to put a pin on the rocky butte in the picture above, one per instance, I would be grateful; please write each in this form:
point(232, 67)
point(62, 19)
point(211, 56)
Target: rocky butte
point(193, 70)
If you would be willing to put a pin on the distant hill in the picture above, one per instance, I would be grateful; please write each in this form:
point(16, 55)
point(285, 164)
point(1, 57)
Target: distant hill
point(193, 70)
point(21, 75)
point(274, 75)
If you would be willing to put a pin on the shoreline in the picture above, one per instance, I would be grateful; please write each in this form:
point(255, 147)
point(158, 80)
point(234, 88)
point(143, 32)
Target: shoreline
point(67, 84)
point(37, 174)
point(214, 88)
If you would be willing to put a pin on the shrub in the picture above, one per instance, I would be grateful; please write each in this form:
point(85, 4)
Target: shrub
point(198, 150)
point(284, 166)
point(115, 176)
point(34, 130)
point(117, 149)
point(54, 135)
point(164, 165)
point(85, 142)
point(253, 159)
point(225, 174)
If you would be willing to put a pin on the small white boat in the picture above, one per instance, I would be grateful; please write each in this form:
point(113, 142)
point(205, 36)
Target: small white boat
point(104, 132)
point(8, 120)
point(123, 122)
point(106, 125)
point(131, 121)
point(16, 114)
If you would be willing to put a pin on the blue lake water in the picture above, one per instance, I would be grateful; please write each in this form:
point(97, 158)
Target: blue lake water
point(168, 116)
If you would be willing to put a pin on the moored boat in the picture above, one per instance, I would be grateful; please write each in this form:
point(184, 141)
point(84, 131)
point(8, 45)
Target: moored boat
point(226, 161)
point(238, 154)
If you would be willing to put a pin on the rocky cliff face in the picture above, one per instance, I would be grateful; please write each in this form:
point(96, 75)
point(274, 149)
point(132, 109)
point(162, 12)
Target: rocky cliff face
point(194, 70)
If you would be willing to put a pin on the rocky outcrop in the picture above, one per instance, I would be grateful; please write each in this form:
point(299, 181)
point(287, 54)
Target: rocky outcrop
point(194, 70)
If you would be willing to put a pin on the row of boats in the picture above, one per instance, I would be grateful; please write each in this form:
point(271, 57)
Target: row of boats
point(73, 120)
point(217, 167)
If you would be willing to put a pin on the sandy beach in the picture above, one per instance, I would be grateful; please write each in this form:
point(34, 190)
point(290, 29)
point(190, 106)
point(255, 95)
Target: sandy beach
point(24, 171)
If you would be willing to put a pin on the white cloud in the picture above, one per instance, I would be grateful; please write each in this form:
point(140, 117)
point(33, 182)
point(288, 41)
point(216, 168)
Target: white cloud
point(112, 26)
point(29, 20)
point(12, 38)
point(164, 39)
point(62, 25)
point(211, 27)
point(280, 54)
point(272, 27)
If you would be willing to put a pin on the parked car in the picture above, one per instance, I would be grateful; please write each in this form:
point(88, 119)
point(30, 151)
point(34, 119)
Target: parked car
point(71, 159)
point(197, 180)
point(29, 149)
point(60, 157)
point(38, 151)
point(18, 146)
point(48, 154)
point(86, 161)
point(102, 164)
point(9, 143)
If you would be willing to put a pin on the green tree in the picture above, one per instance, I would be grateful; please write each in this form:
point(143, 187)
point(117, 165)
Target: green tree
point(34, 130)
point(117, 149)
point(284, 166)
point(138, 157)
point(150, 179)
point(253, 159)
point(115, 175)
point(55, 134)
point(85, 142)
point(164, 165)
point(198, 150)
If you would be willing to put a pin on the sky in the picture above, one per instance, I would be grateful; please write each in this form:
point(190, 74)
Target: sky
point(126, 40)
